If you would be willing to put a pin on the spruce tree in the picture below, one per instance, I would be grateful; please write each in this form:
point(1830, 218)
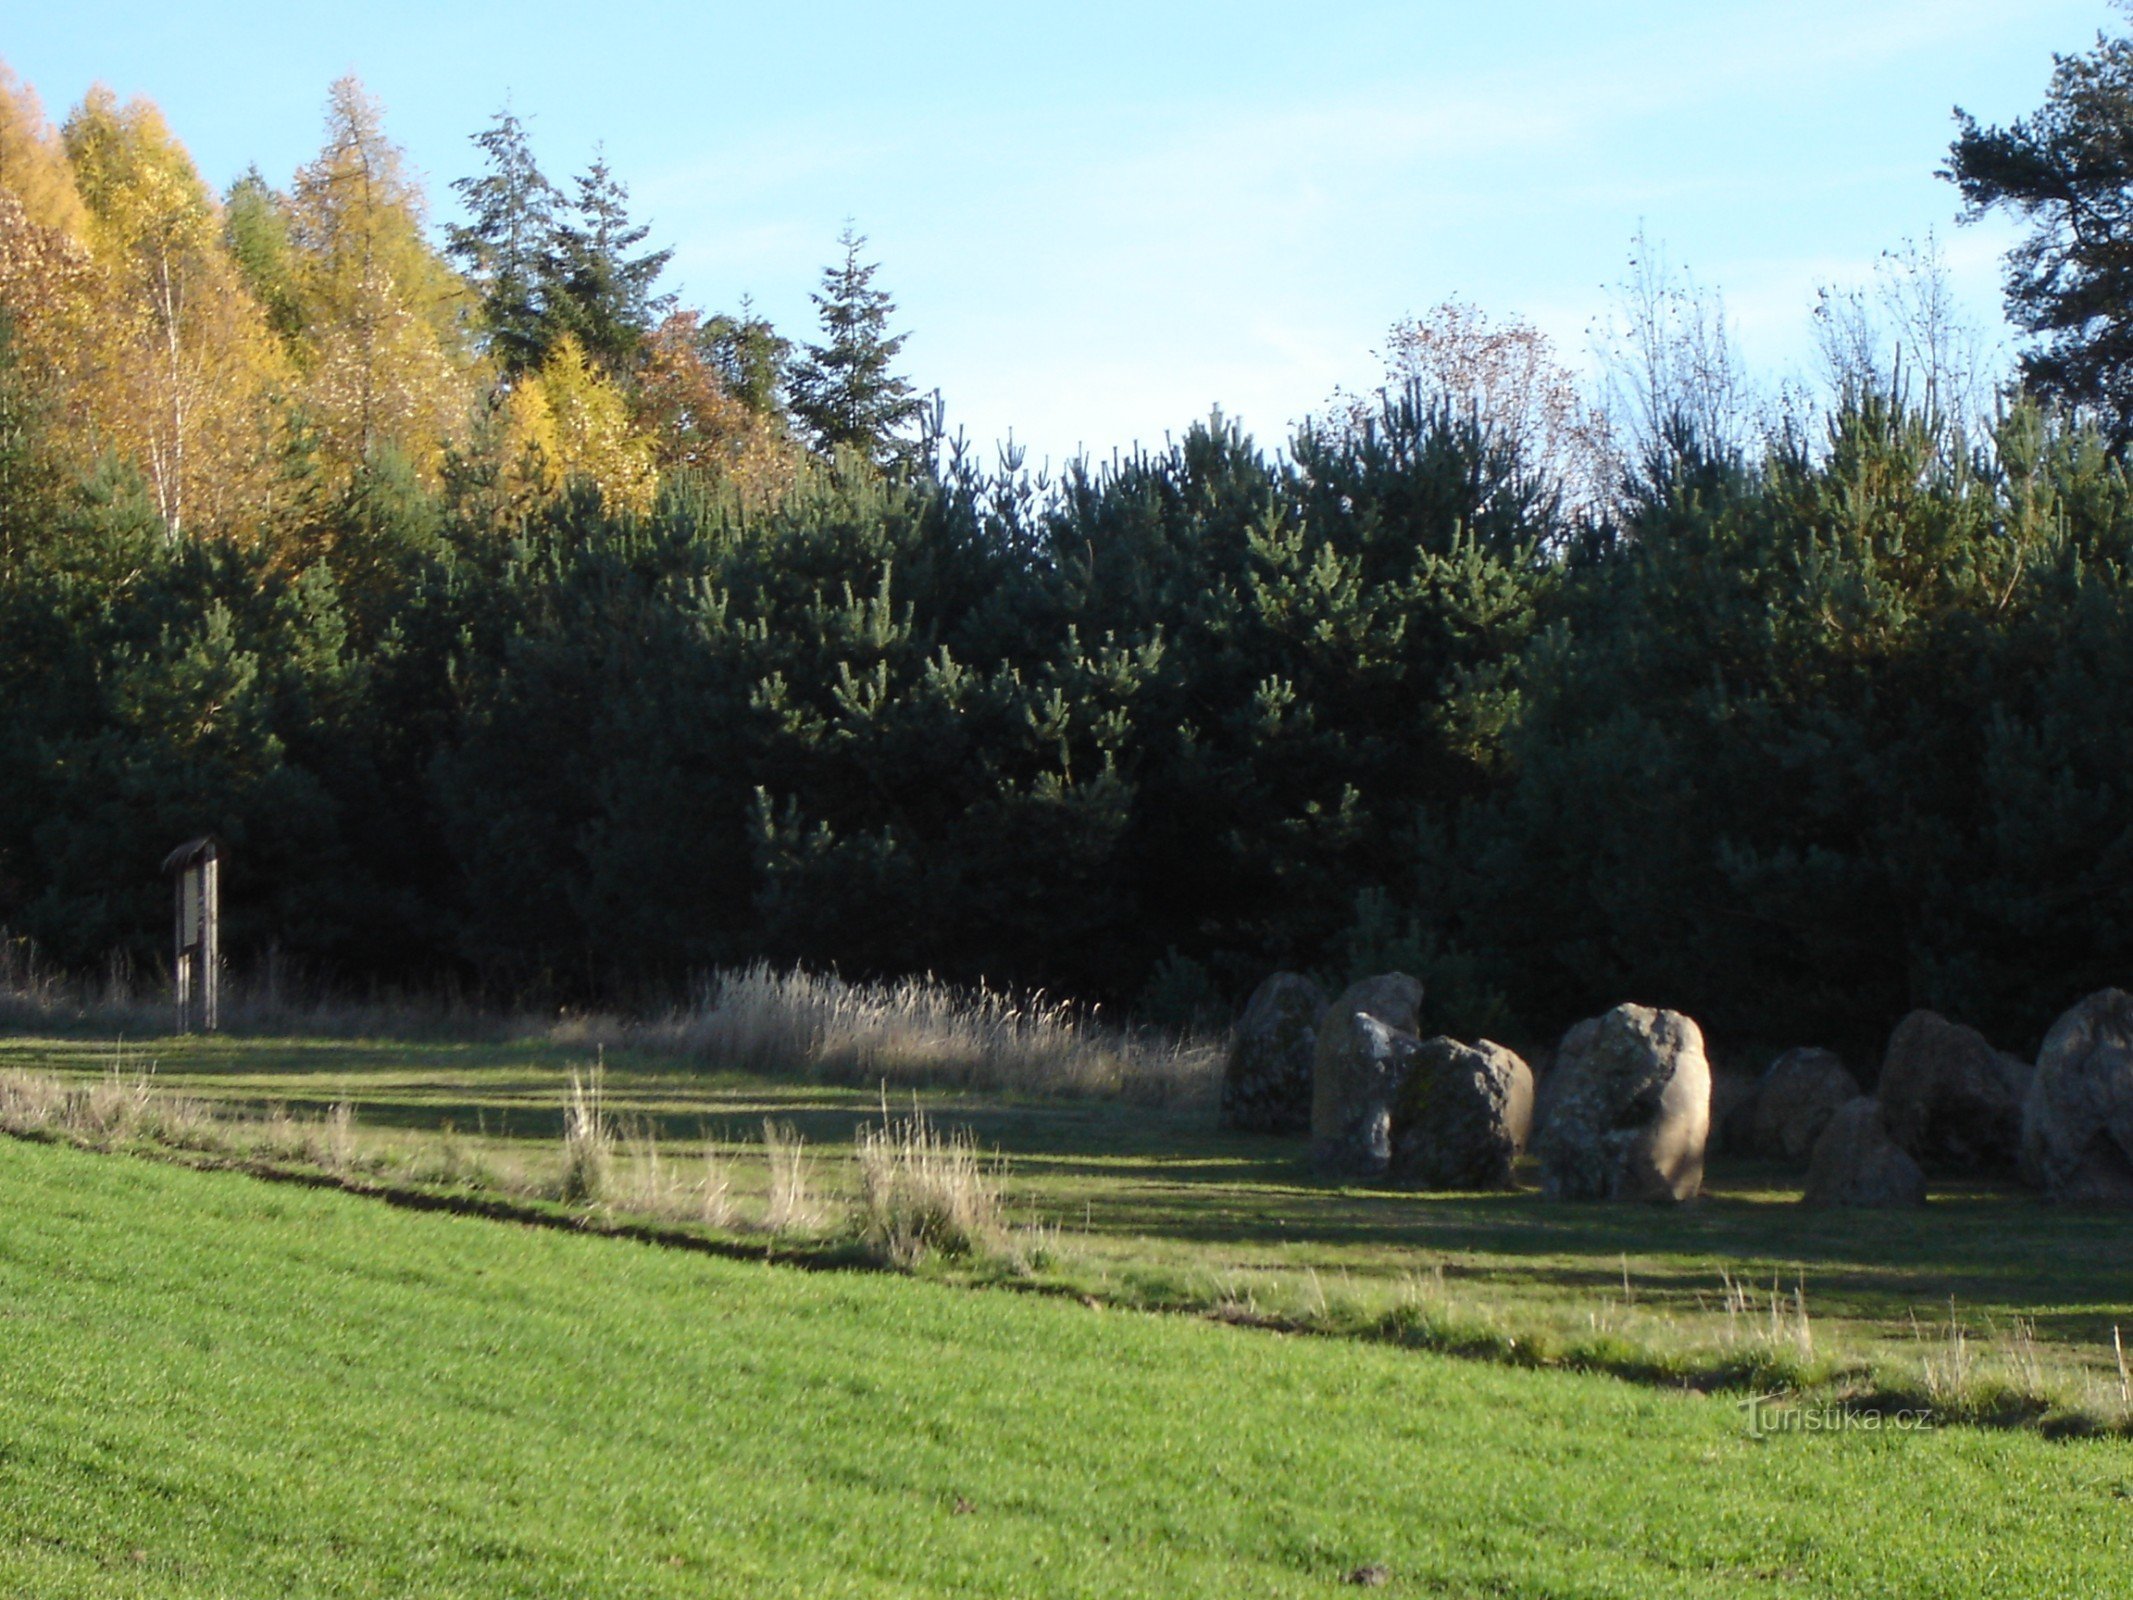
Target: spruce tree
point(843, 391)
point(504, 246)
point(597, 290)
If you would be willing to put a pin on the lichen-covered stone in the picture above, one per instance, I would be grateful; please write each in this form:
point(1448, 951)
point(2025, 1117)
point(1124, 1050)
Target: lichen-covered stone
point(2077, 1122)
point(1366, 1040)
point(1630, 1112)
point(1798, 1094)
point(1266, 1083)
point(1856, 1163)
point(1461, 1118)
point(1950, 1100)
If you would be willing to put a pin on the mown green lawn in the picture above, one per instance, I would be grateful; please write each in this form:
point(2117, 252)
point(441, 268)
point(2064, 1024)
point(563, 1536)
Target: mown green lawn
point(212, 1385)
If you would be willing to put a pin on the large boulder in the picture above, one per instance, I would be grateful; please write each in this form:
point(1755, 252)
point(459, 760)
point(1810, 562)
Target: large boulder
point(1266, 1084)
point(2077, 1124)
point(1366, 1040)
point(1542, 1063)
point(1461, 1118)
point(1732, 1112)
point(1630, 1111)
point(1952, 1101)
point(1799, 1092)
point(1856, 1163)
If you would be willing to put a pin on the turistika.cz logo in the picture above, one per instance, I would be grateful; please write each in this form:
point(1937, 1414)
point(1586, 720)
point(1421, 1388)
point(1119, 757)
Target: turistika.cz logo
point(1769, 1414)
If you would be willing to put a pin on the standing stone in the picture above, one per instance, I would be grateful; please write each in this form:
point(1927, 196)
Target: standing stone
point(1631, 1114)
point(1266, 1084)
point(1366, 1040)
point(1733, 1112)
point(1951, 1101)
point(1542, 1063)
point(1461, 1119)
point(2077, 1124)
point(1856, 1163)
point(1799, 1092)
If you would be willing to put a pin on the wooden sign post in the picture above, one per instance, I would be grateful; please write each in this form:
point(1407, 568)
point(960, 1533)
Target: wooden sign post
point(196, 973)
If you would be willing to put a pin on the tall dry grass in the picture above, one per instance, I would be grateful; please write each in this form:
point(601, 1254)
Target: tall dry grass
point(715, 1205)
point(909, 1032)
point(793, 1206)
point(272, 997)
point(119, 1108)
point(924, 1192)
point(921, 1033)
point(588, 1140)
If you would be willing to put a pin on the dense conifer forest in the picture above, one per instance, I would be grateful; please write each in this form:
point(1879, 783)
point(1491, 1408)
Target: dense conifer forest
point(517, 627)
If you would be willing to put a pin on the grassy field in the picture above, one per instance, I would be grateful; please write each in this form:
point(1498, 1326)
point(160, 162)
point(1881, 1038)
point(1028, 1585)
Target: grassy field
point(1980, 1304)
point(215, 1386)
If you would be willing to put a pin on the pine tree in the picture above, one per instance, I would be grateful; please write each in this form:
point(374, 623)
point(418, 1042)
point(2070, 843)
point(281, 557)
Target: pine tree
point(597, 291)
point(2067, 171)
point(504, 246)
point(843, 392)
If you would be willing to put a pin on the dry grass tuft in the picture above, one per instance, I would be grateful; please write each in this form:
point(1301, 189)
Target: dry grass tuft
point(1778, 1327)
point(121, 1108)
point(715, 1191)
point(30, 1103)
point(648, 1182)
point(923, 1192)
point(340, 1142)
point(792, 1207)
point(588, 1141)
point(1947, 1365)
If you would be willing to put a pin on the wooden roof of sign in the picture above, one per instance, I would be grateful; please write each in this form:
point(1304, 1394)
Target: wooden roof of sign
point(191, 853)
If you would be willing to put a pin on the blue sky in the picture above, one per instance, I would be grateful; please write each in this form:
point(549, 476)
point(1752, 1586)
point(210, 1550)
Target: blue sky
point(1101, 219)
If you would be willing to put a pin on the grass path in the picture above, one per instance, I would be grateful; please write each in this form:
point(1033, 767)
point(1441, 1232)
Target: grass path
point(212, 1386)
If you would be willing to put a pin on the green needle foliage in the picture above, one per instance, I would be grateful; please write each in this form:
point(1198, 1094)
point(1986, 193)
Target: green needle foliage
point(504, 245)
point(1796, 743)
point(2067, 171)
point(597, 290)
point(843, 389)
point(618, 683)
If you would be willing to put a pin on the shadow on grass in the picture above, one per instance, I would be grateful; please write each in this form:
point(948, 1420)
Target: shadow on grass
point(1170, 1180)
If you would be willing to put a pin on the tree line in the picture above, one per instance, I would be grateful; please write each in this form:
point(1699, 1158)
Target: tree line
point(251, 354)
point(507, 622)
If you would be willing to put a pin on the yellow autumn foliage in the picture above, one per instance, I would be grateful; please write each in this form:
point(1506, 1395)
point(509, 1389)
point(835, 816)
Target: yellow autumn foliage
point(694, 424)
point(33, 163)
point(386, 354)
point(568, 422)
point(173, 365)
